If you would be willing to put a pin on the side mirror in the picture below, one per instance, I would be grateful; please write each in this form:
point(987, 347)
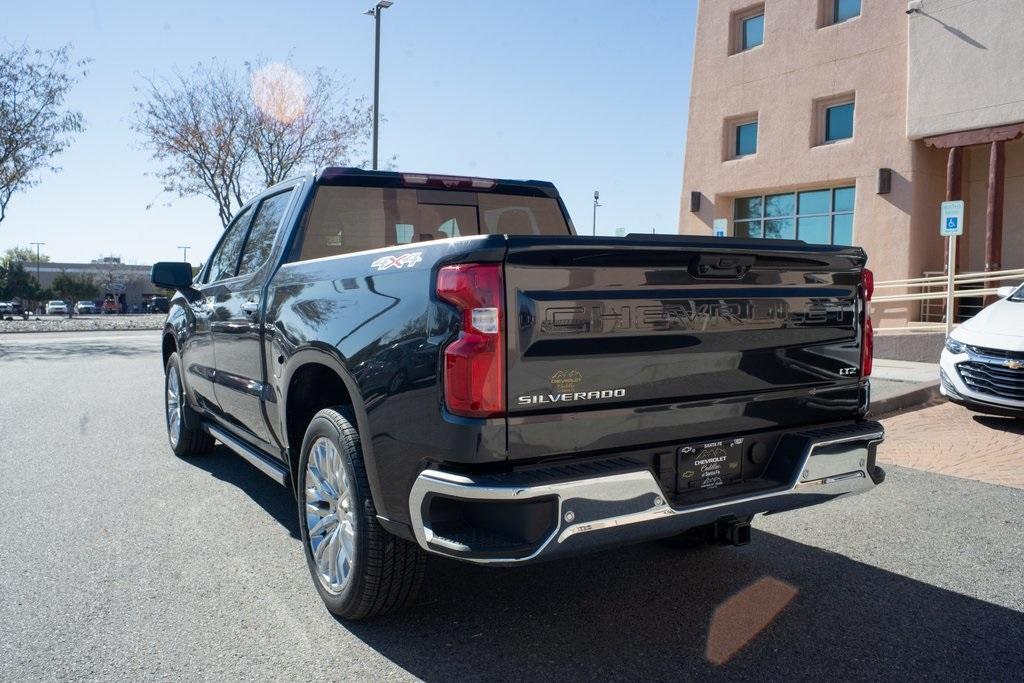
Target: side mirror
point(1005, 292)
point(171, 274)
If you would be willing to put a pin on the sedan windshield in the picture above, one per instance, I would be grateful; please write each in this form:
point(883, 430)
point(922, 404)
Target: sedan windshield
point(1018, 295)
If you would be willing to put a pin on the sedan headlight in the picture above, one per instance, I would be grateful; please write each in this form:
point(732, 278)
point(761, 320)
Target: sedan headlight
point(953, 346)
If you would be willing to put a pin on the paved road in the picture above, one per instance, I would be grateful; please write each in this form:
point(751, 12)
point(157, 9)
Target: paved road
point(120, 561)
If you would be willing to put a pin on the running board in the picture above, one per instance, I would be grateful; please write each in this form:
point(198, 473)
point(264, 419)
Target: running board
point(264, 464)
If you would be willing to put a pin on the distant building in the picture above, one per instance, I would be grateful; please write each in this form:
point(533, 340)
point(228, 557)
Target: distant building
point(850, 121)
point(111, 277)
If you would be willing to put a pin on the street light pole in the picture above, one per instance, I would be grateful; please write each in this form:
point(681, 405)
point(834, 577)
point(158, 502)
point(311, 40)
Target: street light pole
point(38, 245)
point(375, 13)
point(184, 253)
point(593, 229)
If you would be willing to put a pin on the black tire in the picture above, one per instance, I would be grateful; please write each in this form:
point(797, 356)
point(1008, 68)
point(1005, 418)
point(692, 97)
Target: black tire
point(191, 438)
point(387, 571)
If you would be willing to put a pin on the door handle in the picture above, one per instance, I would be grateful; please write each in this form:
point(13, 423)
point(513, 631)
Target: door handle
point(251, 307)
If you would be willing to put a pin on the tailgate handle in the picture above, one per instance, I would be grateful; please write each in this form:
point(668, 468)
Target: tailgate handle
point(720, 266)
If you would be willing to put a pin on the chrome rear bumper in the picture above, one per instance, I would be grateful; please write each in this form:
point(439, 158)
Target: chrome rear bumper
point(623, 507)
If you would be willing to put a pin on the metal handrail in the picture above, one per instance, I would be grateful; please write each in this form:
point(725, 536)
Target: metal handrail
point(935, 288)
point(935, 295)
point(960, 278)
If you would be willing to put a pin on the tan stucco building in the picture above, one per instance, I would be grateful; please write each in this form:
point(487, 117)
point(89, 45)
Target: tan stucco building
point(864, 119)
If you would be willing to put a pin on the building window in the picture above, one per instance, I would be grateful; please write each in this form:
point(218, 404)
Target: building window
point(817, 216)
point(747, 29)
point(745, 139)
point(739, 136)
point(753, 32)
point(833, 120)
point(844, 9)
point(839, 122)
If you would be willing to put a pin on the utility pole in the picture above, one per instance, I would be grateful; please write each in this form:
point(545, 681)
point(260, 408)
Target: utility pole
point(184, 253)
point(593, 229)
point(375, 13)
point(38, 245)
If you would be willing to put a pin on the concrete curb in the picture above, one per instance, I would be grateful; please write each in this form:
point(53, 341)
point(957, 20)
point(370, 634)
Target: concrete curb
point(916, 395)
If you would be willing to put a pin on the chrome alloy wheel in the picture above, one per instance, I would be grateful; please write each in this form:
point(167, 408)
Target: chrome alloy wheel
point(174, 399)
point(330, 515)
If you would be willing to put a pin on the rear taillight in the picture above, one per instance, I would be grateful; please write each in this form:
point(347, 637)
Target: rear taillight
point(867, 342)
point(474, 364)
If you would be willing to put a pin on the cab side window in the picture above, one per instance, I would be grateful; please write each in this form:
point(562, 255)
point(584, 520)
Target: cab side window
point(263, 231)
point(224, 262)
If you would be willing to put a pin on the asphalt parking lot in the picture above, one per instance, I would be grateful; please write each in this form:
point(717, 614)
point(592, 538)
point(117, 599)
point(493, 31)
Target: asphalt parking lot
point(120, 561)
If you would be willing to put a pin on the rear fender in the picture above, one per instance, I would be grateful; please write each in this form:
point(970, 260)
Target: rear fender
point(323, 354)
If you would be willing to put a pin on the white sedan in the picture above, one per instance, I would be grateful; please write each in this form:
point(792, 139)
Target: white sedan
point(982, 366)
point(56, 307)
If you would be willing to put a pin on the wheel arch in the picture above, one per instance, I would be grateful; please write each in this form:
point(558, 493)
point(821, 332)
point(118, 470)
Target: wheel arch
point(323, 368)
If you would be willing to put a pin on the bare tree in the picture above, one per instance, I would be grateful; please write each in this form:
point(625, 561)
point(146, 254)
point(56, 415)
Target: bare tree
point(222, 137)
point(196, 124)
point(302, 122)
point(35, 124)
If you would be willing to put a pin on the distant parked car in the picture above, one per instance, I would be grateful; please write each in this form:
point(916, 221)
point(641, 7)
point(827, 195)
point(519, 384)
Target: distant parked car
point(56, 307)
point(6, 308)
point(982, 366)
point(110, 306)
point(158, 304)
point(85, 307)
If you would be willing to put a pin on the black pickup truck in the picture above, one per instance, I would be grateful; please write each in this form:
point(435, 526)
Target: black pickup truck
point(439, 365)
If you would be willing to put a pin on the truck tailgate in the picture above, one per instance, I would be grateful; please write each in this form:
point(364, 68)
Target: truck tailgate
point(663, 338)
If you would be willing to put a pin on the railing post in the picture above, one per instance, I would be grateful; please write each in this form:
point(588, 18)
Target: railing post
point(994, 210)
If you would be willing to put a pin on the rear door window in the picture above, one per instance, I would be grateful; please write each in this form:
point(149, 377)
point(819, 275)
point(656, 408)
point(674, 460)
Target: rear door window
point(264, 229)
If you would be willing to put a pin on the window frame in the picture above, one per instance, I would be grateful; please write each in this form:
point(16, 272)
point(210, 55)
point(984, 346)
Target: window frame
point(822, 107)
point(730, 140)
point(737, 23)
point(737, 152)
point(795, 217)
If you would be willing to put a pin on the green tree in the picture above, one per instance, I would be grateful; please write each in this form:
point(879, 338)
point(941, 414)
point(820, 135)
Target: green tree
point(24, 254)
point(16, 282)
point(73, 288)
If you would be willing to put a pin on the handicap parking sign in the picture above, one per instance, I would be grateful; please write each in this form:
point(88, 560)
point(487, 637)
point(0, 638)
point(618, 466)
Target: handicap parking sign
point(952, 222)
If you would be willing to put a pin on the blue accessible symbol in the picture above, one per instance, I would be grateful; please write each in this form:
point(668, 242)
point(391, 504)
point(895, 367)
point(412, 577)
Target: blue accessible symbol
point(951, 223)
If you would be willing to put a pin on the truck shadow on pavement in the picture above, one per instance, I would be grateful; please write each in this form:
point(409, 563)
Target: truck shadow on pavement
point(784, 609)
point(278, 502)
point(776, 608)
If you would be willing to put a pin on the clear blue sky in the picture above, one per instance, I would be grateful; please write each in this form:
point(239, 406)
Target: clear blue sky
point(590, 95)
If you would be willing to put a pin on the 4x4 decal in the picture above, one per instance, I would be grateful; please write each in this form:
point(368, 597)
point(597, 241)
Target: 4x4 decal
point(410, 259)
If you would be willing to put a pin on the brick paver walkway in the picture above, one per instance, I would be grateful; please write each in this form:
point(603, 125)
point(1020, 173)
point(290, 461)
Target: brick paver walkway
point(949, 439)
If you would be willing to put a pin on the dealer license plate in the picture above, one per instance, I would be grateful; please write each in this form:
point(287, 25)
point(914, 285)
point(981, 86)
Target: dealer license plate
point(710, 465)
